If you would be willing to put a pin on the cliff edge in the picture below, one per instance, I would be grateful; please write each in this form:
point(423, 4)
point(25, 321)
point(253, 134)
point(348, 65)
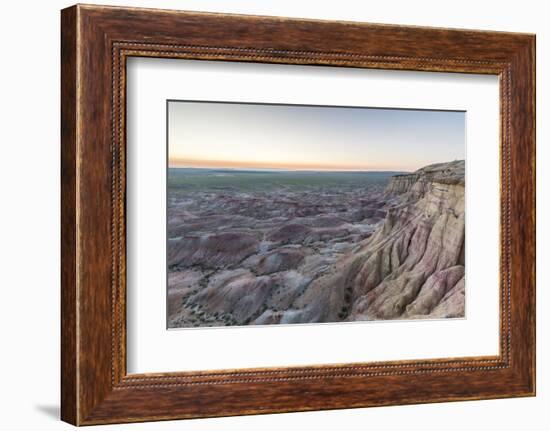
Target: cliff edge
point(413, 264)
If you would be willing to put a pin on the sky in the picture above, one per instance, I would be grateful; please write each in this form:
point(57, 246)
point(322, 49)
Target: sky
point(297, 137)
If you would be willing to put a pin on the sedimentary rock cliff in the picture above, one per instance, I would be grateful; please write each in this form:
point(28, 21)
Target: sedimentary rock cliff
point(413, 265)
point(418, 253)
point(418, 183)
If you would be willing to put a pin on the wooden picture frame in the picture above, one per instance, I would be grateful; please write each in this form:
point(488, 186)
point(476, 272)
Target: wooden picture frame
point(95, 43)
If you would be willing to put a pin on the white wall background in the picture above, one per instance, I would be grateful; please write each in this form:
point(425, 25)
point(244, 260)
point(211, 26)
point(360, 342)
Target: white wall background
point(29, 216)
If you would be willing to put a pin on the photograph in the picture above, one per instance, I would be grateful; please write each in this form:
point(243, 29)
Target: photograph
point(289, 214)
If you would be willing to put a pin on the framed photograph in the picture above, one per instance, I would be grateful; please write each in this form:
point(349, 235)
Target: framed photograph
point(263, 214)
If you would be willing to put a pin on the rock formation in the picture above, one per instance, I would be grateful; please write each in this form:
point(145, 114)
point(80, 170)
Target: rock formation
point(397, 253)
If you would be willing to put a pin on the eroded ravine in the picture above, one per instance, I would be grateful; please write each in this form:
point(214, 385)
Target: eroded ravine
point(383, 252)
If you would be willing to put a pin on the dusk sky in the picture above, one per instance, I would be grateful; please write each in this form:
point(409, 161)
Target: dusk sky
point(248, 136)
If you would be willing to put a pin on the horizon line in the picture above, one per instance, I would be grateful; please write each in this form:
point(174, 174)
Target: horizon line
point(286, 169)
point(244, 165)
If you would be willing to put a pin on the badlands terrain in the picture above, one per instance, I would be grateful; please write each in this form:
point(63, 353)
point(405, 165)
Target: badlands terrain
point(281, 247)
